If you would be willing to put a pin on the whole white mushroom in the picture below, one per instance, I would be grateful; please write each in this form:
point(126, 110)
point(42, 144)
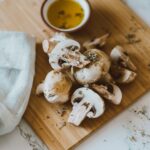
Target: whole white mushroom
point(56, 87)
point(99, 66)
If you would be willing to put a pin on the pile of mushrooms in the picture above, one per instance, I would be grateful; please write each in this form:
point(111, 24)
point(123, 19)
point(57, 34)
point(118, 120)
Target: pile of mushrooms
point(97, 73)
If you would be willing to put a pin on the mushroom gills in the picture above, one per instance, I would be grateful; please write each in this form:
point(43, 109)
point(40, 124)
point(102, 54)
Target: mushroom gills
point(120, 57)
point(75, 59)
point(122, 75)
point(109, 91)
point(66, 54)
point(86, 103)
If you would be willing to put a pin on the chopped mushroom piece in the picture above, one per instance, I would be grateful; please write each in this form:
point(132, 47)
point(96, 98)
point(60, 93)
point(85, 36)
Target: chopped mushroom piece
point(86, 103)
point(122, 75)
point(67, 54)
point(56, 87)
point(49, 44)
point(120, 57)
point(109, 91)
point(96, 42)
point(98, 67)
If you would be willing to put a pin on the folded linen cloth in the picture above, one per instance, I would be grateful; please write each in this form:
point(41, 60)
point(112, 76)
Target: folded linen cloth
point(17, 68)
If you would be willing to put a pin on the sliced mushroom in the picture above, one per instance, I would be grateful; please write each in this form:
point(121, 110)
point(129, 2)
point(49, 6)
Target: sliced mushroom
point(96, 42)
point(120, 57)
point(66, 54)
point(109, 91)
point(98, 67)
point(49, 44)
point(55, 87)
point(86, 103)
point(122, 75)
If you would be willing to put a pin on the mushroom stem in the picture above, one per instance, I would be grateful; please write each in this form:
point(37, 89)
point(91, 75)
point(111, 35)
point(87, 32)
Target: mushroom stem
point(39, 89)
point(79, 112)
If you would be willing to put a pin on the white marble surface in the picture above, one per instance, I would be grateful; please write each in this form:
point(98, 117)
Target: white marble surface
point(128, 131)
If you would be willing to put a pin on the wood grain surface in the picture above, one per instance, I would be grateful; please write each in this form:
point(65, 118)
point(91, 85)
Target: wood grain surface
point(107, 16)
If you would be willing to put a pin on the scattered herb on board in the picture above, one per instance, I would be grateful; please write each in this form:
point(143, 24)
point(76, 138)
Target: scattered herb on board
point(61, 124)
point(132, 39)
point(47, 117)
point(61, 111)
point(149, 66)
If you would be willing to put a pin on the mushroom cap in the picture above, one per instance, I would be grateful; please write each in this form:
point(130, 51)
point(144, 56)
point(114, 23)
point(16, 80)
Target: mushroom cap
point(109, 91)
point(120, 57)
point(55, 87)
point(89, 96)
point(99, 66)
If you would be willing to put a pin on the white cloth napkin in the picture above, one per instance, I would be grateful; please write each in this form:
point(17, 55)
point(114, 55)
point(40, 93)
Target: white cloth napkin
point(17, 67)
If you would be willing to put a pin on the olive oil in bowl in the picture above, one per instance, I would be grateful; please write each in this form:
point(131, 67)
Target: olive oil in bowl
point(66, 15)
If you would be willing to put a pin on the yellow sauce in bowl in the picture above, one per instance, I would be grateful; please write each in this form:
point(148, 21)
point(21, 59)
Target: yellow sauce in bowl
point(65, 14)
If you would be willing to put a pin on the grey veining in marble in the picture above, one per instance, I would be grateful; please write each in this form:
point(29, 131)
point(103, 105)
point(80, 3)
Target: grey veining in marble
point(30, 136)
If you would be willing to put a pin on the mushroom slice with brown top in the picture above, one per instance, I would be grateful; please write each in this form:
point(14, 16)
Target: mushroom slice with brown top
point(67, 54)
point(120, 57)
point(49, 44)
point(56, 87)
point(109, 91)
point(98, 67)
point(122, 75)
point(86, 103)
point(96, 42)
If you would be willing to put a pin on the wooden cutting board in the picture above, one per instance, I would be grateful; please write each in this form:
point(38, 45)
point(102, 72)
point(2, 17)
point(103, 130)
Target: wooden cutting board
point(107, 16)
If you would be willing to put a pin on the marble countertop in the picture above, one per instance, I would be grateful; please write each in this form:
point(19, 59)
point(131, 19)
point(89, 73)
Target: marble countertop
point(132, 126)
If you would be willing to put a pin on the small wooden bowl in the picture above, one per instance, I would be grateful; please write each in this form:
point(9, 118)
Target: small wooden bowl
point(83, 3)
